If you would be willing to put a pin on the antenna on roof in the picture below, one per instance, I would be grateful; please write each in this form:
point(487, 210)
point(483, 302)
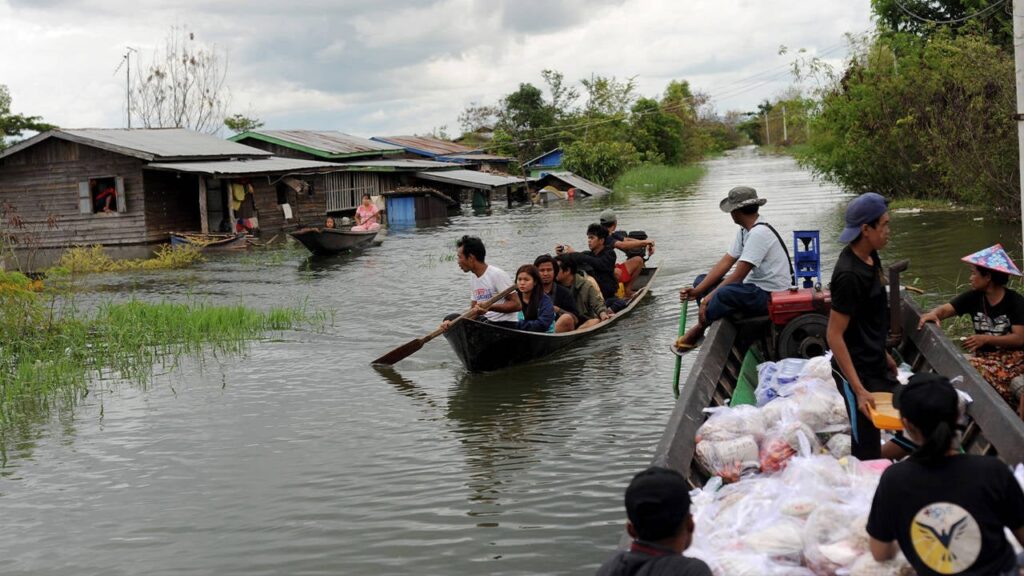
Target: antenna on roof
point(127, 63)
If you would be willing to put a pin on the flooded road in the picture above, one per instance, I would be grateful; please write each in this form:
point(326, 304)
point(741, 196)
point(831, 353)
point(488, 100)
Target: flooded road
point(300, 458)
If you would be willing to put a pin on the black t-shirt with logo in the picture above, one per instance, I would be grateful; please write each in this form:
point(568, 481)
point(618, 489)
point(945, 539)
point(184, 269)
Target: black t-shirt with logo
point(949, 518)
point(995, 320)
point(857, 291)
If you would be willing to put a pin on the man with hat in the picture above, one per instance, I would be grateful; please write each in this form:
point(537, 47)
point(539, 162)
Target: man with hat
point(625, 272)
point(859, 320)
point(658, 509)
point(997, 313)
point(762, 266)
point(945, 510)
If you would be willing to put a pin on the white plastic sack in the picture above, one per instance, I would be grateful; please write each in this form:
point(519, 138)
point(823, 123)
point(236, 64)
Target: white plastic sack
point(727, 423)
point(729, 459)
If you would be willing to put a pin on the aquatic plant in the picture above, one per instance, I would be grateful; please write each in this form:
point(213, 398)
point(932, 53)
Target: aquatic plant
point(93, 259)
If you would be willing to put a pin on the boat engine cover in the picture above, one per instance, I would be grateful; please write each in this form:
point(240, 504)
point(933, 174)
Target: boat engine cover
point(785, 305)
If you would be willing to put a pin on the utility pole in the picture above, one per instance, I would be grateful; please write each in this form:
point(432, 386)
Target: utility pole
point(1018, 57)
point(785, 132)
point(767, 131)
point(126, 60)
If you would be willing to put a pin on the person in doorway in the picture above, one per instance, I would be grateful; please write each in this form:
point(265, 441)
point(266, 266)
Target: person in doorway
point(945, 510)
point(367, 216)
point(561, 297)
point(859, 320)
point(660, 523)
point(485, 282)
point(590, 308)
point(537, 313)
point(762, 266)
point(625, 272)
point(599, 261)
point(997, 313)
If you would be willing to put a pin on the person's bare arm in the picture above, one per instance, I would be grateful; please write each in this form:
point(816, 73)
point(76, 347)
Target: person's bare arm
point(882, 551)
point(837, 325)
point(717, 272)
point(937, 315)
point(1015, 339)
point(511, 304)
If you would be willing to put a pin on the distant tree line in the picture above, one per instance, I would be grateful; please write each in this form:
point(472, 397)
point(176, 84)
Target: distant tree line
point(602, 124)
point(924, 108)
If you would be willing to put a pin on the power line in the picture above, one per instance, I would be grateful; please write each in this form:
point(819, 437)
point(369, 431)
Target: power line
point(983, 12)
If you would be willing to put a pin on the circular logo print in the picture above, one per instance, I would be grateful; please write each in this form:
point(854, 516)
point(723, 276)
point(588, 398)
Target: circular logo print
point(946, 538)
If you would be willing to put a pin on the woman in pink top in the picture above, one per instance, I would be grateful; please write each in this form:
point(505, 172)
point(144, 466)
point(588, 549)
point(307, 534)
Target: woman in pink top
point(367, 216)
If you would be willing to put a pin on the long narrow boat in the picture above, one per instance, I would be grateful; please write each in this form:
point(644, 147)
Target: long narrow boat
point(209, 242)
point(325, 241)
point(994, 428)
point(483, 347)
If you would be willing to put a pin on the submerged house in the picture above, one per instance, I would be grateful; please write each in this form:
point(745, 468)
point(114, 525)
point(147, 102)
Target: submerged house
point(550, 161)
point(134, 186)
point(444, 151)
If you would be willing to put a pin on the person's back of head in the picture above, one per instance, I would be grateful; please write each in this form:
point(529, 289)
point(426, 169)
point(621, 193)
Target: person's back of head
point(658, 507)
point(472, 246)
point(930, 404)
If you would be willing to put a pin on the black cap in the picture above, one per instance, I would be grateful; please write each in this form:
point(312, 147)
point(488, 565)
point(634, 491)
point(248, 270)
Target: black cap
point(926, 400)
point(657, 503)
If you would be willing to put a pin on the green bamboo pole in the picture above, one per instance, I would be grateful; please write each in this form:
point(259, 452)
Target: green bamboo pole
point(679, 359)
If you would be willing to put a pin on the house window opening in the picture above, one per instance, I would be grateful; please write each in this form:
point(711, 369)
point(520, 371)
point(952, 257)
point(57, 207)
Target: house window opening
point(103, 193)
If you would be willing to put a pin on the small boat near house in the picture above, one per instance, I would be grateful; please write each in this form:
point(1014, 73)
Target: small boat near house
point(327, 241)
point(209, 242)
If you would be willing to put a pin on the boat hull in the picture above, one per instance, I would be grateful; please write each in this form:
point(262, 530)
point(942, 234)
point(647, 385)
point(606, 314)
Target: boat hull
point(326, 241)
point(209, 242)
point(484, 347)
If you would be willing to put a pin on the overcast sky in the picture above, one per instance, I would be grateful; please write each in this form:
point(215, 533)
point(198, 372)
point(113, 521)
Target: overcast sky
point(385, 67)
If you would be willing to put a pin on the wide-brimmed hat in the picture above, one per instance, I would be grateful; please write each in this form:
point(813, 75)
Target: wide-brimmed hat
point(993, 258)
point(740, 197)
point(863, 209)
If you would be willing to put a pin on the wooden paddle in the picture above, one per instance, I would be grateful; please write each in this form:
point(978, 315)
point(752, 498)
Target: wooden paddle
point(679, 359)
point(411, 347)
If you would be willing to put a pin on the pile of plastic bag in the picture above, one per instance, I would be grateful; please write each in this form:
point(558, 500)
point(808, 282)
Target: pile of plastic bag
point(799, 412)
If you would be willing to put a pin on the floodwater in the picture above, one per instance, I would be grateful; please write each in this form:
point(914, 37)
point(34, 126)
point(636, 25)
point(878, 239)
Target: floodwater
point(300, 458)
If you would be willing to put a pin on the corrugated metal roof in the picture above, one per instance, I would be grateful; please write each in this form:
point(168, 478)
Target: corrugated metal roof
point(328, 143)
point(248, 167)
point(427, 145)
point(471, 179)
point(579, 182)
point(548, 153)
point(148, 143)
point(398, 164)
point(475, 157)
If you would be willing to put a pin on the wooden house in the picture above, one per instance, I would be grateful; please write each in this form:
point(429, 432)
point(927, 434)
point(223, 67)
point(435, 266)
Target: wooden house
point(125, 187)
point(445, 151)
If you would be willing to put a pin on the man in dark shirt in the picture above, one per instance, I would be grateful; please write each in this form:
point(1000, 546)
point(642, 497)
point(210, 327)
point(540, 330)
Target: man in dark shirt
point(565, 305)
point(859, 320)
point(599, 261)
point(625, 272)
point(658, 508)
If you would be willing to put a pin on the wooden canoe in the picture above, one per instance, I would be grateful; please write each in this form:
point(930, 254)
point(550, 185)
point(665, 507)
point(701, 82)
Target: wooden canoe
point(484, 347)
point(209, 242)
point(325, 241)
point(994, 428)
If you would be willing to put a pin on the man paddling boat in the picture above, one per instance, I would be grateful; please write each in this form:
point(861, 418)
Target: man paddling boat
point(485, 281)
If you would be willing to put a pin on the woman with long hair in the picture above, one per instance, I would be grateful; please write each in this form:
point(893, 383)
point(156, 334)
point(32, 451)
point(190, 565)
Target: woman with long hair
point(538, 313)
point(945, 510)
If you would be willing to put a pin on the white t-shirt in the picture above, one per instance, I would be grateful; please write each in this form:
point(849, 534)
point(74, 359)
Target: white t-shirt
point(491, 283)
point(761, 248)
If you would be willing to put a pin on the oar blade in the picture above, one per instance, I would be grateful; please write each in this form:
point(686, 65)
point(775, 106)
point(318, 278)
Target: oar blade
point(400, 353)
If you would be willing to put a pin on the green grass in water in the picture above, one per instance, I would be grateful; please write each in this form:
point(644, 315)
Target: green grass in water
point(658, 178)
point(49, 352)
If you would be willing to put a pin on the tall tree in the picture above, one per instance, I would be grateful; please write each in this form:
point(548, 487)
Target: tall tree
point(924, 17)
point(12, 125)
point(184, 87)
point(239, 123)
point(527, 119)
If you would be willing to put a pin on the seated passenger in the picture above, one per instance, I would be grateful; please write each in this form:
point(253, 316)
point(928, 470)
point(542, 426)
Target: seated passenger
point(329, 223)
point(997, 313)
point(367, 216)
point(538, 313)
point(945, 510)
point(625, 272)
point(599, 262)
point(561, 297)
point(590, 308)
point(762, 267)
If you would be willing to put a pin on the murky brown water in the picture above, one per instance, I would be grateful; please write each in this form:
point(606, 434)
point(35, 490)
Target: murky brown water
point(302, 459)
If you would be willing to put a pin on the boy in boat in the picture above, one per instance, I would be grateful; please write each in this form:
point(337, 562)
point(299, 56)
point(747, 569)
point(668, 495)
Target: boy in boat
point(761, 262)
point(485, 282)
point(627, 271)
point(600, 260)
point(859, 320)
point(658, 509)
point(590, 308)
point(561, 297)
